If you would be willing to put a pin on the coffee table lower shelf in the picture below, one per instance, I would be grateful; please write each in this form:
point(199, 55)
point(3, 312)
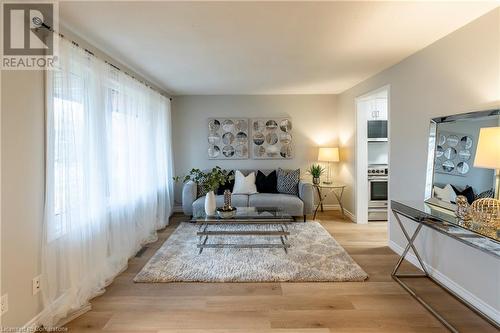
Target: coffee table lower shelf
point(283, 234)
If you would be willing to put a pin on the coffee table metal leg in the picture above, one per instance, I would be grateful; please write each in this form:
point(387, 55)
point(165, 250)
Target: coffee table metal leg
point(284, 245)
point(283, 229)
point(204, 242)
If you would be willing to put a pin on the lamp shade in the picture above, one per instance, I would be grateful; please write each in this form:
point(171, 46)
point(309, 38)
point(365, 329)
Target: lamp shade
point(488, 148)
point(328, 155)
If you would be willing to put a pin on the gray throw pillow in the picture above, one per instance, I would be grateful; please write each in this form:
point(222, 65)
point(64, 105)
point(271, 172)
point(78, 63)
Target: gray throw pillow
point(288, 181)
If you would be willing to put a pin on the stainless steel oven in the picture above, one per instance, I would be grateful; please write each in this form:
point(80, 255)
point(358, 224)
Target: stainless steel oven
point(377, 193)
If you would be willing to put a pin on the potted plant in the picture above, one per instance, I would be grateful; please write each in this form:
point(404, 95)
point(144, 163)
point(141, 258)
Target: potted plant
point(211, 180)
point(316, 171)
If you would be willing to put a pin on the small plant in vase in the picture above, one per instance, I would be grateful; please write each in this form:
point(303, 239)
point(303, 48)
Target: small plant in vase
point(211, 181)
point(316, 171)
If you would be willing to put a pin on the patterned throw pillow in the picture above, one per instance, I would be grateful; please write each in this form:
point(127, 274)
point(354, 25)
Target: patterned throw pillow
point(486, 194)
point(288, 181)
point(201, 189)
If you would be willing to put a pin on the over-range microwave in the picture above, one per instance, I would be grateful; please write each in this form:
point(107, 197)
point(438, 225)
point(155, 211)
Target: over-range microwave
point(377, 130)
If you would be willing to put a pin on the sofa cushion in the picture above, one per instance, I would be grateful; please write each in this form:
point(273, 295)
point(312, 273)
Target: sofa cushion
point(237, 200)
point(288, 181)
point(244, 184)
point(228, 185)
point(291, 204)
point(266, 184)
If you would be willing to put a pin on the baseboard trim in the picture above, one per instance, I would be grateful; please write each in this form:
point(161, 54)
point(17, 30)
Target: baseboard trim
point(462, 292)
point(34, 323)
point(347, 213)
point(350, 215)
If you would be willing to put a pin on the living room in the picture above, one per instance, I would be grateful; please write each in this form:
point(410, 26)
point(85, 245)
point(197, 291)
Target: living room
point(109, 159)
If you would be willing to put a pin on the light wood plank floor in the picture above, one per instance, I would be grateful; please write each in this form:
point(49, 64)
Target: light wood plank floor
point(377, 305)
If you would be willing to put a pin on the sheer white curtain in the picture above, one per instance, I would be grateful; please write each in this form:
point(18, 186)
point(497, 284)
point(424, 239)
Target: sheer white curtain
point(108, 177)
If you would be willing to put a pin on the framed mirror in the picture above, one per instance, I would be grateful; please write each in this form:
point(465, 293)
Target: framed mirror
point(450, 166)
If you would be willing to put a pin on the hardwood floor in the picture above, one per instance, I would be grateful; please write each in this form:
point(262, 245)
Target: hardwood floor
point(377, 305)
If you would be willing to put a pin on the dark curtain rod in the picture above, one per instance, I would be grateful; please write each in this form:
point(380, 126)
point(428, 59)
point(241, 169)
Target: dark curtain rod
point(40, 23)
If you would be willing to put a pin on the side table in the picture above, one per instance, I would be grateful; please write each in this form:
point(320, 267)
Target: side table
point(335, 188)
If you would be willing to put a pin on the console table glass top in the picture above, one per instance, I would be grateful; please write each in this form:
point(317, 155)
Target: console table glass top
point(446, 222)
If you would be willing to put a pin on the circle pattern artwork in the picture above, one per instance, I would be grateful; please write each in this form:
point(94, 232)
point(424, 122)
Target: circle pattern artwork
point(241, 150)
point(285, 138)
point(258, 139)
point(272, 138)
point(442, 139)
point(462, 168)
point(241, 137)
point(450, 153)
point(273, 151)
point(448, 166)
point(213, 138)
point(466, 142)
point(213, 151)
point(453, 153)
point(241, 125)
point(228, 138)
point(271, 125)
point(228, 151)
point(452, 140)
point(227, 125)
point(464, 154)
point(285, 125)
point(213, 125)
point(259, 126)
point(286, 151)
point(259, 151)
point(439, 152)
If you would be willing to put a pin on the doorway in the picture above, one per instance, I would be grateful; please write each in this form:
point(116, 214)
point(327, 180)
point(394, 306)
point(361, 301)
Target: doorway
point(372, 155)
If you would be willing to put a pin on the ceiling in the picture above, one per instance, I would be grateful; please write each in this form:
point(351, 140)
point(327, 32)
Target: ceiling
point(189, 48)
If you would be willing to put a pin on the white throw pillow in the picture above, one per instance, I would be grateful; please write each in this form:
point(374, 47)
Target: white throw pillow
point(244, 185)
point(446, 193)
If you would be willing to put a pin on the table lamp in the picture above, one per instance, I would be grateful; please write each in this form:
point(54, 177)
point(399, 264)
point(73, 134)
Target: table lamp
point(488, 152)
point(328, 155)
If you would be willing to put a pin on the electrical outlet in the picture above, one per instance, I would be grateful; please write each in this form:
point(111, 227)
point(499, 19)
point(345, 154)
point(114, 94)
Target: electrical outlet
point(36, 285)
point(4, 304)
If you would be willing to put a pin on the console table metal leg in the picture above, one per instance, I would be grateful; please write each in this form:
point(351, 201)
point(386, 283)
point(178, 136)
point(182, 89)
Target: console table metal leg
point(339, 199)
point(397, 276)
point(320, 198)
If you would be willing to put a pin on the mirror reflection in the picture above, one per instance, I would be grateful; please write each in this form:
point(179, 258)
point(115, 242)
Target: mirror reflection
point(452, 171)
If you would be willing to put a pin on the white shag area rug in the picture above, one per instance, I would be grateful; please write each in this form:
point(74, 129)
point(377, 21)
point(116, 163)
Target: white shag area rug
point(313, 255)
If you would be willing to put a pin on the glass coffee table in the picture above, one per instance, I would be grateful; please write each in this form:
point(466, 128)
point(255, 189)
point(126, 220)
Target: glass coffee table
point(274, 219)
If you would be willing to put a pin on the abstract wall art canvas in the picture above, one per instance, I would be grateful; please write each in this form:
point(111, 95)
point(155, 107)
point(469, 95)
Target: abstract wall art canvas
point(228, 138)
point(272, 138)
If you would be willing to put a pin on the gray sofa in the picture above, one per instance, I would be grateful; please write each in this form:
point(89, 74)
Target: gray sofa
point(300, 205)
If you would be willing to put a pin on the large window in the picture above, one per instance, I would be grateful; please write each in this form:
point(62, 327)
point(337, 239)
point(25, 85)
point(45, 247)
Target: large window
point(109, 171)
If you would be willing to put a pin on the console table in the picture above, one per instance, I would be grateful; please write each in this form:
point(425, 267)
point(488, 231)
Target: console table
point(447, 224)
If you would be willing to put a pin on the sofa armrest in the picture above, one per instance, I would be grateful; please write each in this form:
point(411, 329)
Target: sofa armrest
point(189, 194)
point(307, 196)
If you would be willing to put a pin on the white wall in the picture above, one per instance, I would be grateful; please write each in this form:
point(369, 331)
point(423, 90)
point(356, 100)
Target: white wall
point(313, 117)
point(22, 191)
point(459, 73)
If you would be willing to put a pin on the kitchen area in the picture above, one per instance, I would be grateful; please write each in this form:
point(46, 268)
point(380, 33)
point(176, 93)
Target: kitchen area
point(378, 157)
